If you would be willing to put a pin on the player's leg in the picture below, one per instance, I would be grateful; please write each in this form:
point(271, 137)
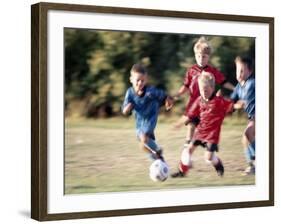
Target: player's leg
point(212, 159)
point(185, 162)
point(248, 141)
point(245, 144)
point(190, 132)
point(148, 144)
point(250, 135)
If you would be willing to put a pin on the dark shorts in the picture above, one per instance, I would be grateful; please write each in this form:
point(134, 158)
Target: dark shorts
point(211, 147)
point(195, 121)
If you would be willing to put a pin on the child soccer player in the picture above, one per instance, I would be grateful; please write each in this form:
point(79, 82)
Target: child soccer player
point(145, 101)
point(202, 51)
point(244, 97)
point(210, 110)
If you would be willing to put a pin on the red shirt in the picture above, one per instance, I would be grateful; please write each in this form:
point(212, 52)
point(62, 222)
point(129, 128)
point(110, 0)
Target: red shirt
point(191, 81)
point(211, 115)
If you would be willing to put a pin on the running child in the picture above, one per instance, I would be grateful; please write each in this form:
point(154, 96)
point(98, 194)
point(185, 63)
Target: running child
point(244, 97)
point(202, 52)
point(210, 109)
point(145, 101)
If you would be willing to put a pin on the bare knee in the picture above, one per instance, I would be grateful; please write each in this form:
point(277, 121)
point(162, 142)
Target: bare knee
point(143, 139)
point(208, 157)
point(190, 131)
point(190, 126)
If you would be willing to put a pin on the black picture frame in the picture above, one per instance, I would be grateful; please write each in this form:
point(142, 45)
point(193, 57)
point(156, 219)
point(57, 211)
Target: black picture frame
point(39, 110)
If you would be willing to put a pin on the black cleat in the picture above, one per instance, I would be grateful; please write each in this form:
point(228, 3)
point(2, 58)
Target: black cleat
point(159, 155)
point(178, 174)
point(220, 169)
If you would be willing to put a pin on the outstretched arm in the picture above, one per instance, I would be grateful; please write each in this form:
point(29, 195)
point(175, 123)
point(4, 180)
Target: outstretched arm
point(184, 120)
point(228, 86)
point(239, 104)
point(183, 89)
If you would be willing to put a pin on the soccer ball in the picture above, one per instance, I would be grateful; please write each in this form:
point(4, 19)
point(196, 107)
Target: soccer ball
point(158, 170)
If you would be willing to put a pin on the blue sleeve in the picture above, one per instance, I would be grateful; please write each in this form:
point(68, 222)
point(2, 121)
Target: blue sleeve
point(234, 95)
point(160, 95)
point(127, 99)
point(250, 93)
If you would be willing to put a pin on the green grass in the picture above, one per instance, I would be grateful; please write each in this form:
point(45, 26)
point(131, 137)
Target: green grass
point(103, 155)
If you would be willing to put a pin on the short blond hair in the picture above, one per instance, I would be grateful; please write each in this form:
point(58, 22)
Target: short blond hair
point(202, 46)
point(206, 78)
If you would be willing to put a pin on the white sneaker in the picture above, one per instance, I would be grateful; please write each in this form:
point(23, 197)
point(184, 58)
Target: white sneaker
point(250, 170)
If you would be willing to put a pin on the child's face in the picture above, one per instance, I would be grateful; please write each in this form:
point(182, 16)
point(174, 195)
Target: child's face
point(138, 81)
point(201, 59)
point(242, 72)
point(206, 90)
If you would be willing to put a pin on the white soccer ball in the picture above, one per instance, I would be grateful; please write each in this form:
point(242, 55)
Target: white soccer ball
point(158, 170)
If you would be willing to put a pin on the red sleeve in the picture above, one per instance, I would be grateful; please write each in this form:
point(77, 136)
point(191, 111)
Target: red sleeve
point(228, 106)
point(219, 77)
point(187, 78)
point(195, 109)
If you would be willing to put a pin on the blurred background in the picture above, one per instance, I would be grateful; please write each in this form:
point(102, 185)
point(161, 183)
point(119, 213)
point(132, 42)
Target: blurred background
point(98, 63)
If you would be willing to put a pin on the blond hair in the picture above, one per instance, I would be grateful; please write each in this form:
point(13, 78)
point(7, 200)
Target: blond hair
point(206, 78)
point(202, 46)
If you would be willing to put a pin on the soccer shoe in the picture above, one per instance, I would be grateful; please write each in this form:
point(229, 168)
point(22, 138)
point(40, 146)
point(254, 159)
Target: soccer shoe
point(159, 154)
point(220, 169)
point(178, 174)
point(250, 170)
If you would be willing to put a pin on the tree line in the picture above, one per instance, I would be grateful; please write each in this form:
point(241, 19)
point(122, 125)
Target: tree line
point(98, 63)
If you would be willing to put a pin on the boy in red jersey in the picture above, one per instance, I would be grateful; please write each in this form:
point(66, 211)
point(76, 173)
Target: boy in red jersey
point(202, 52)
point(211, 110)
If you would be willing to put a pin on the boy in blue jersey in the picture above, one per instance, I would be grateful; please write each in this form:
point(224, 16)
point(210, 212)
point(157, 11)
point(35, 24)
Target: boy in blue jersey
point(145, 101)
point(244, 97)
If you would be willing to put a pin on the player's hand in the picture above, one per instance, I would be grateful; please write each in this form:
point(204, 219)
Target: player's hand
point(239, 104)
point(169, 103)
point(219, 93)
point(184, 120)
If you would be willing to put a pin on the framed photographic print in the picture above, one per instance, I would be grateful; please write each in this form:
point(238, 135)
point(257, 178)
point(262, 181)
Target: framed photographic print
point(93, 64)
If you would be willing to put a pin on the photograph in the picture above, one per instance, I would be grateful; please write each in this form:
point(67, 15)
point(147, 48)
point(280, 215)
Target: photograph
point(138, 111)
point(127, 95)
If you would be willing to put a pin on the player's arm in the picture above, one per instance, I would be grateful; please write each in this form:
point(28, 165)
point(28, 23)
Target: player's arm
point(228, 106)
point(234, 96)
point(126, 110)
point(222, 82)
point(228, 86)
point(183, 89)
point(127, 106)
point(240, 104)
point(163, 98)
point(184, 120)
point(189, 116)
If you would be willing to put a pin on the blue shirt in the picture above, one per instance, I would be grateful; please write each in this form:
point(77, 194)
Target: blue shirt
point(146, 108)
point(246, 93)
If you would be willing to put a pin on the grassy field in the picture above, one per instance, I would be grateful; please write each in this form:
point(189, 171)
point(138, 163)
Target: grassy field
point(103, 156)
